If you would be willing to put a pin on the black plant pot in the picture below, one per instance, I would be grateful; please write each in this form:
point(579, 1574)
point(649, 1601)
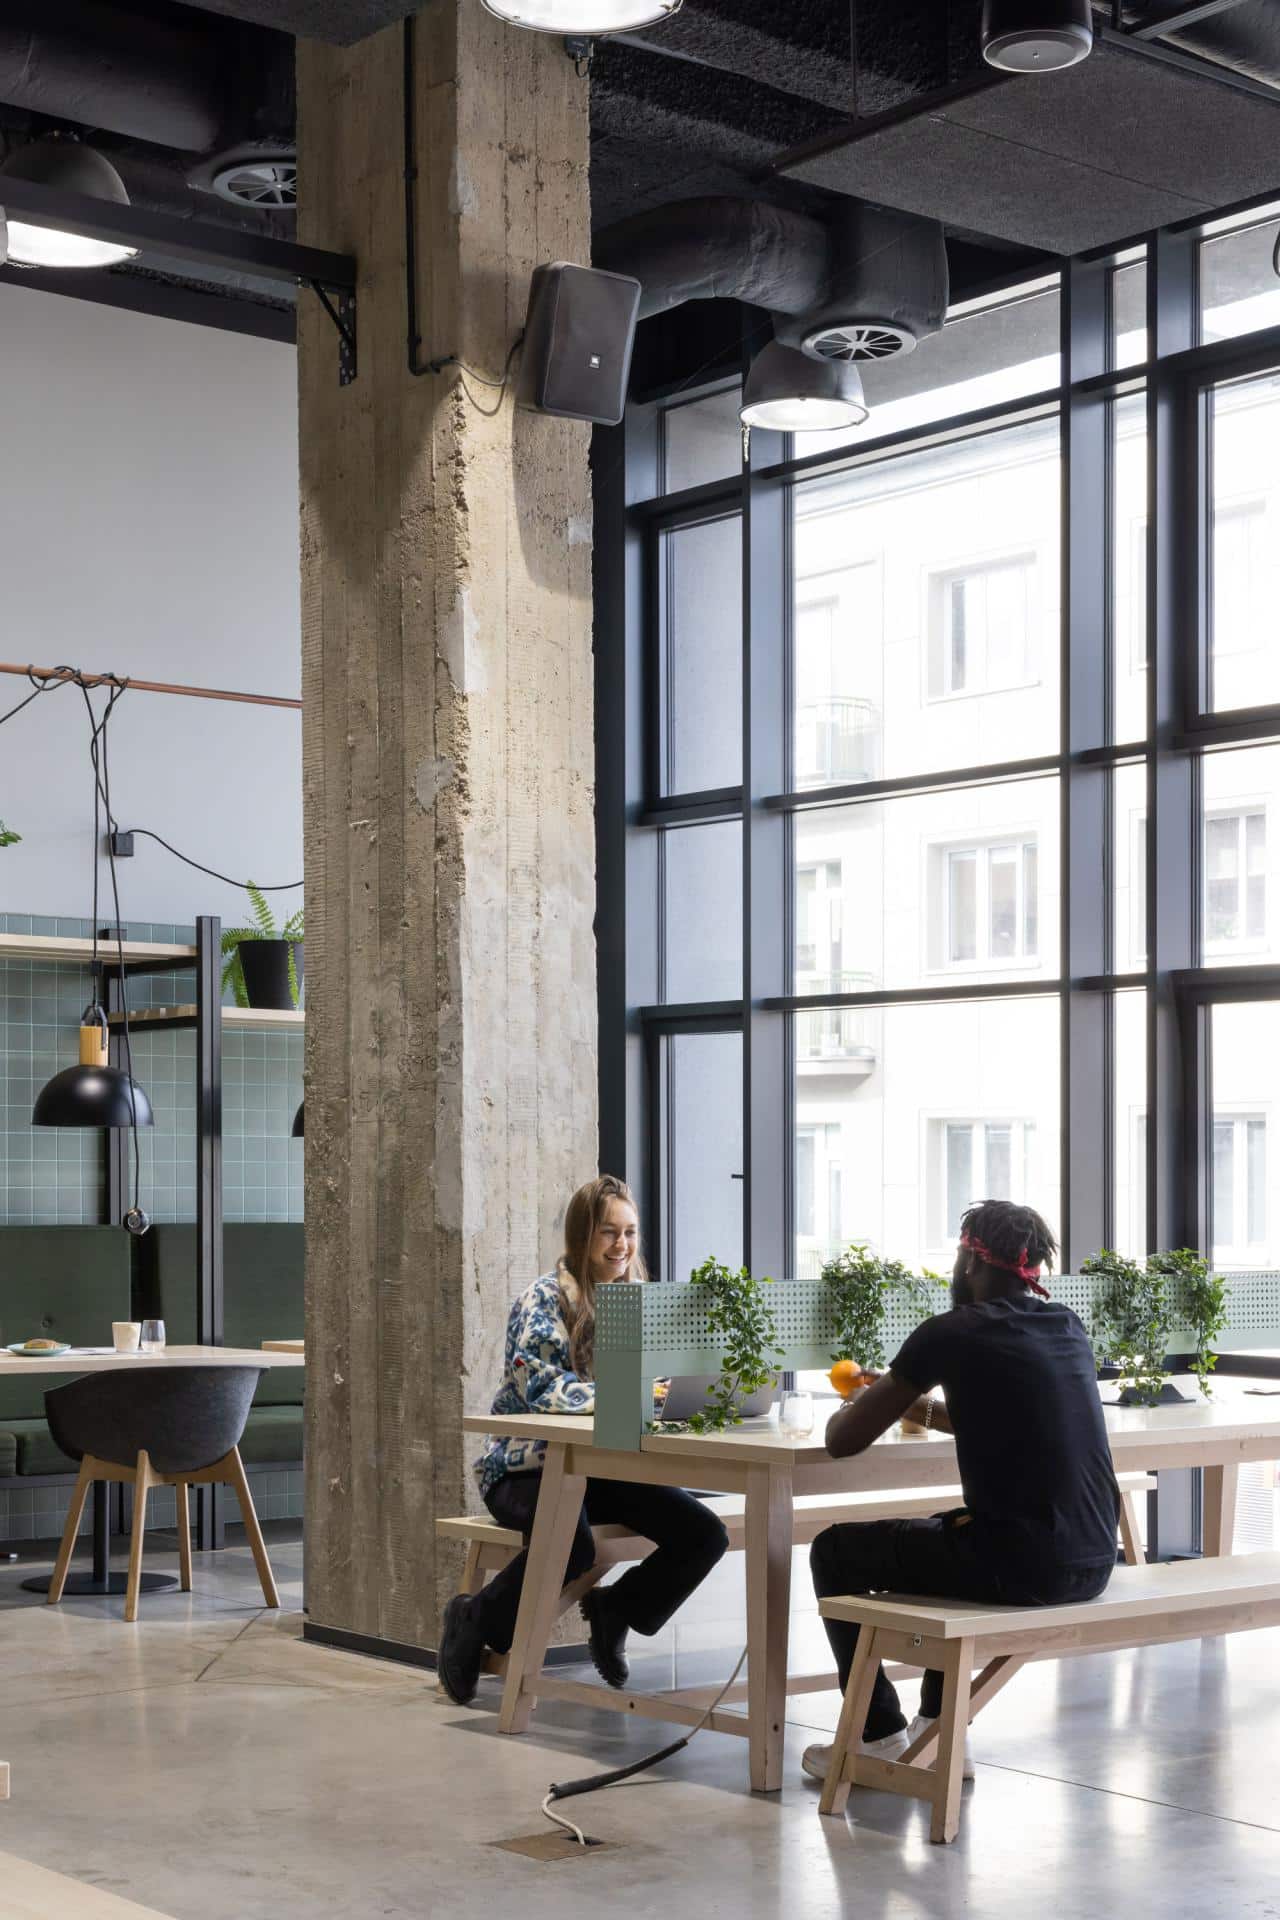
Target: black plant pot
point(265, 965)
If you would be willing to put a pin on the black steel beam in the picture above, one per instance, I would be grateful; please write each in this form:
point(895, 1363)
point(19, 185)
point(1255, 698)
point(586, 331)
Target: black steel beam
point(209, 1518)
point(197, 241)
point(1180, 18)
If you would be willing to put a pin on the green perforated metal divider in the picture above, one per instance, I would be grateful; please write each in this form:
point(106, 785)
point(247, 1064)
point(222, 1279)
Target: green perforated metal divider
point(643, 1332)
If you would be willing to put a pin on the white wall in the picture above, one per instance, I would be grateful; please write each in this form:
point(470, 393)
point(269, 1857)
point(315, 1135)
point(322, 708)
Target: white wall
point(149, 526)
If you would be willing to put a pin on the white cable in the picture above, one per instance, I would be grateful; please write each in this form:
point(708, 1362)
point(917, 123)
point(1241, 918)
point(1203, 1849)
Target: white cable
point(562, 1822)
point(697, 1727)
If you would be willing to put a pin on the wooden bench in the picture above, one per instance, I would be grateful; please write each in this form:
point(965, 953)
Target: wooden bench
point(979, 1648)
point(489, 1546)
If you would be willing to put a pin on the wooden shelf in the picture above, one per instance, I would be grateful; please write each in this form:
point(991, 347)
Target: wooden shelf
point(48, 946)
point(243, 1019)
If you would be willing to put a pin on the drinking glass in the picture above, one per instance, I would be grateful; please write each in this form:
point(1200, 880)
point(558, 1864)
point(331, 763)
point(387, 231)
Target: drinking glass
point(795, 1416)
point(152, 1340)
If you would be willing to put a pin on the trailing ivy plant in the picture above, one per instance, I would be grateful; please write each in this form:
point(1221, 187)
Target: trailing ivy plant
point(1200, 1302)
point(863, 1287)
point(264, 928)
point(8, 837)
point(1132, 1318)
point(739, 1313)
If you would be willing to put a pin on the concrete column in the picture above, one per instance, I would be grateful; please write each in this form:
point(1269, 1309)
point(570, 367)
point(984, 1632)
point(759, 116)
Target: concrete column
point(446, 589)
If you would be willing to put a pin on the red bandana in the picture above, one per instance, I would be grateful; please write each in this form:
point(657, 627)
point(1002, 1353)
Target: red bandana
point(1030, 1275)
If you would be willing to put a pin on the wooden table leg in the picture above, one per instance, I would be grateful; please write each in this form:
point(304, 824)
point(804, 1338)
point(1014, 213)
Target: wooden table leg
point(1221, 1484)
point(769, 1525)
point(560, 1498)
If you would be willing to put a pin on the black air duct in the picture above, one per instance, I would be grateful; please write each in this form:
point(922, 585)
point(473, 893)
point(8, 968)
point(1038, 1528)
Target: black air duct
point(863, 286)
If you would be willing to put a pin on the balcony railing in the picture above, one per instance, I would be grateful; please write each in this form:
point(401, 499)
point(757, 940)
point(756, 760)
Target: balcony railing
point(838, 741)
point(837, 1036)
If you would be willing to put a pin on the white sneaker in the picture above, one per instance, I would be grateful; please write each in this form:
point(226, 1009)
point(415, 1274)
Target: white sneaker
point(923, 1724)
point(817, 1759)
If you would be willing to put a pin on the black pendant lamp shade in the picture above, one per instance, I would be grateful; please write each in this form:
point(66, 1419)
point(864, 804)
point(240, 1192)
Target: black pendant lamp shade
point(299, 1130)
point(94, 1093)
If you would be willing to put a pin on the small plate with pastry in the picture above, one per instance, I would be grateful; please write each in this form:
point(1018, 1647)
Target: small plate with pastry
point(40, 1349)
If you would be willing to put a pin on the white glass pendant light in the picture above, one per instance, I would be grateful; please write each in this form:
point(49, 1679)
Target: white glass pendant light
point(585, 19)
point(788, 392)
point(63, 162)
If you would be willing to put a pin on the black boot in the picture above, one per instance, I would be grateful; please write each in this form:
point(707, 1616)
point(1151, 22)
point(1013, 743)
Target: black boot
point(607, 1638)
point(462, 1651)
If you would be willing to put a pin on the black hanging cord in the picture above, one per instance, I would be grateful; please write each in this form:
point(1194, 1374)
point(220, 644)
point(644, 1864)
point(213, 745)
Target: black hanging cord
point(285, 886)
point(102, 803)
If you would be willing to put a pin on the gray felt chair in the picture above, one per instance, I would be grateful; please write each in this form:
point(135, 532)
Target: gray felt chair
point(154, 1426)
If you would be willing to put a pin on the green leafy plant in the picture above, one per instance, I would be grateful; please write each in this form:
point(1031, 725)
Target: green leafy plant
point(264, 928)
point(863, 1287)
point(8, 837)
point(1132, 1319)
point(739, 1313)
point(1200, 1302)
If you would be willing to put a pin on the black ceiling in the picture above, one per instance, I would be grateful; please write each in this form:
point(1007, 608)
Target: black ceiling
point(799, 101)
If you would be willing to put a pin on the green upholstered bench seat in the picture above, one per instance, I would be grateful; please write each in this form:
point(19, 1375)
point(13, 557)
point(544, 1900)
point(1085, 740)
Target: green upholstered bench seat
point(36, 1452)
point(272, 1434)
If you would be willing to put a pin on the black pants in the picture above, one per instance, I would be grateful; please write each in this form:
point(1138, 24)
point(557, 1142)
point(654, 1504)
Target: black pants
point(935, 1556)
point(689, 1540)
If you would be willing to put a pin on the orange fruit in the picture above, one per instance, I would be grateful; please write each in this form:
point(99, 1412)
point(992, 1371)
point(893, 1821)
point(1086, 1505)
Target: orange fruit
point(845, 1377)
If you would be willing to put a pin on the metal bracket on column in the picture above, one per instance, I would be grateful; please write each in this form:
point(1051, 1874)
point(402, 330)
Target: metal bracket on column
point(343, 316)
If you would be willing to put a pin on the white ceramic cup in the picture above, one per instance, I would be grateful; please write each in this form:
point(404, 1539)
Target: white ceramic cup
point(126, 1335)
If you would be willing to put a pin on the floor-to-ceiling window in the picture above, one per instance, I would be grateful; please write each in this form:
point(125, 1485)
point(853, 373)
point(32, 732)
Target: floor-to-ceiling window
point(940, 783)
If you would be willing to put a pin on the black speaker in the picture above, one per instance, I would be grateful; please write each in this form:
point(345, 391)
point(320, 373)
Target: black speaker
point(578, 336)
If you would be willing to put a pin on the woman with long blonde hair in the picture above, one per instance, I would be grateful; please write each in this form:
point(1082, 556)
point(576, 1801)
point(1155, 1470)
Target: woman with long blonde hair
point(549, 1368)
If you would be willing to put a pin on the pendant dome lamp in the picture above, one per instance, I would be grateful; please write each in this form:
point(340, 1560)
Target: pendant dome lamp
point(1036, 36)
point(94, 1093)
point(788, 392)
point(62, 160)
point(583, 19)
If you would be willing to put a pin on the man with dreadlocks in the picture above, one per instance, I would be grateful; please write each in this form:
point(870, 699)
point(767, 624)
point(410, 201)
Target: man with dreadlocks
point(1038, 1525)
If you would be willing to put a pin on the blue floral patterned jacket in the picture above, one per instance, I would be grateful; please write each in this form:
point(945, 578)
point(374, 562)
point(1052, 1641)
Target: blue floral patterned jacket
point(537, 1377)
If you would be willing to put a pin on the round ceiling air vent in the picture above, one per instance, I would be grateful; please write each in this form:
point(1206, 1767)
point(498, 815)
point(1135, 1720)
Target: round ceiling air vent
point(268, 182)
point(859, 340)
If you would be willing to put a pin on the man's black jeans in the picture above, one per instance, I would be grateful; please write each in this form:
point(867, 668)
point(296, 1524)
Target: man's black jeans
point(689, 1539)
point(946, 1556)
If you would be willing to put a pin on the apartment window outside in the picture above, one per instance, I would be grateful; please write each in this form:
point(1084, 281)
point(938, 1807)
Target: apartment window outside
point(1242, 619)
point(984, 639)
point(976, 1160)
point(1240, 1183)
point(1235, 878)
point(991, 903)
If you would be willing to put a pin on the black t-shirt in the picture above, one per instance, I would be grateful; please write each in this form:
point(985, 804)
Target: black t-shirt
point(1021, 1386)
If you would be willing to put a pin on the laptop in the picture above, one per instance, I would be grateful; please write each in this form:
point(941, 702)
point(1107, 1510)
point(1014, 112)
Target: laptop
point(687, 1395)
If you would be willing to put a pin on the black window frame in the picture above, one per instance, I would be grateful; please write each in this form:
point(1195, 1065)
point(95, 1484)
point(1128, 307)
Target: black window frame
point(1176, 377)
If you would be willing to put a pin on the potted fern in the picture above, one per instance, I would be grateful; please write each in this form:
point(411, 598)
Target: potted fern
point(7, 835)
point(739, 1312)
point(1133, 1312)
point(262, 963)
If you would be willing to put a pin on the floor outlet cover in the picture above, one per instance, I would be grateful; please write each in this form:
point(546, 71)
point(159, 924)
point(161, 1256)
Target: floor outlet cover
point(553, 1846)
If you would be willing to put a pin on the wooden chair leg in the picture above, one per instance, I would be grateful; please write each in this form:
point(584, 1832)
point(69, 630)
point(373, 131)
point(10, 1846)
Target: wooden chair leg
point(853, 1717)
point(184, 1534)
point(79, 1493)
point(240, 1481)
point(144, 1480)
point(1134, 1551)
point(4, 1779)
point(949, 1765)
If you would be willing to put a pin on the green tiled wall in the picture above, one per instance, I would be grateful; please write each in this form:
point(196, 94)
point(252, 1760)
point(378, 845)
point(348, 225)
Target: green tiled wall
point(57, 1176)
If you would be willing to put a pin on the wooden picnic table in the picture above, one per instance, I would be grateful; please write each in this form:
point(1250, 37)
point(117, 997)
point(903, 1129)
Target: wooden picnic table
point(771, 1470)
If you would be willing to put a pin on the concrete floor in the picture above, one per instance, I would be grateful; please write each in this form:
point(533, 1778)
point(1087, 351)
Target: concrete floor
point(208, 1765)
